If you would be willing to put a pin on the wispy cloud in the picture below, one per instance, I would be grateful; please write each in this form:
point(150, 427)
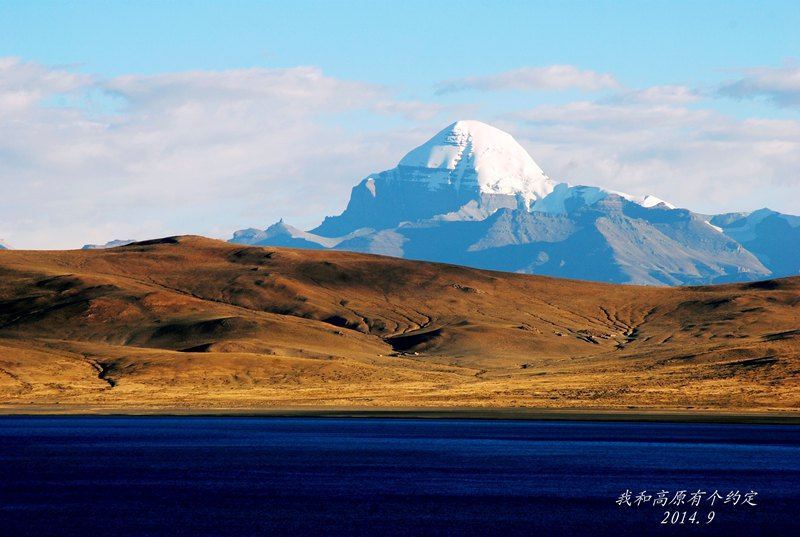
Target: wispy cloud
point(667, 94)
point(202, 151)
point(552, 77)
point(211, 151)
point(24, 84)
point(779, 85)
point(696, 158)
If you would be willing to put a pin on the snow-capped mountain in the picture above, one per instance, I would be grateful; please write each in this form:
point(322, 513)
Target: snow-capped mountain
point(565, 197)
point(472, 195)
point(468, 171)
point(4, 246)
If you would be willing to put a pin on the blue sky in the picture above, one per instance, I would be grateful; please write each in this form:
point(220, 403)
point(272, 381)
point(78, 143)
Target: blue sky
point(714, 78)
point(411, 45)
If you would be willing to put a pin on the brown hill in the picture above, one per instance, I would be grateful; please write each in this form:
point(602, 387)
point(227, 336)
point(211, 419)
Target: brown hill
point(189, 322)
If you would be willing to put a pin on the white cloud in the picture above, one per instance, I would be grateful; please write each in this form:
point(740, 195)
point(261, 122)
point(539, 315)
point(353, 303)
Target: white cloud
point(85, 159)
point(552, 77)
point(202, 152)
point(23, 84)
point(610, 116)
point(779, 85)
point(667, 94)
point(695, 158)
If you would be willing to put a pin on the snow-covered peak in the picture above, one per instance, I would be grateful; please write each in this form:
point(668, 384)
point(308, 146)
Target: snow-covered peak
point(650, 201)
point(556, 202)
point(470, 151)
point(4, 246)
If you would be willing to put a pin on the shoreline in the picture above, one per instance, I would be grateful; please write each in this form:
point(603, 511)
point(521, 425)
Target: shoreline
point(535, 414)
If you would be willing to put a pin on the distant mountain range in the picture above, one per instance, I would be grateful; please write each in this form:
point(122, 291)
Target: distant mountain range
point(109, 244)
point(471, 195)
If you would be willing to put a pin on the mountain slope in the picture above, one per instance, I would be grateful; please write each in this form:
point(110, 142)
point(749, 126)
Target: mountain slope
point(192, 322)
point(612, 240)
point(771, 236)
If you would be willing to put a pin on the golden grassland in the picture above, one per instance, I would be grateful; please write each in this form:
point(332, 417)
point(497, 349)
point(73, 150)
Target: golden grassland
point(189, 324)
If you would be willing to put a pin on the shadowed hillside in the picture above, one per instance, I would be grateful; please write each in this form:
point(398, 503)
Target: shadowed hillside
point(189, 322)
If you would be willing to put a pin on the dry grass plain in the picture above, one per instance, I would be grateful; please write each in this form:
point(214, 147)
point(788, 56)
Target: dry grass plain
point(194, 324)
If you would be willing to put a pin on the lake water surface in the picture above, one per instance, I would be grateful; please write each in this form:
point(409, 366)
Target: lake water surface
point(328, 476)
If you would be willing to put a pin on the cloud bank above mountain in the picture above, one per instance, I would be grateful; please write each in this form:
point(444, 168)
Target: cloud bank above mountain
point(87, 158)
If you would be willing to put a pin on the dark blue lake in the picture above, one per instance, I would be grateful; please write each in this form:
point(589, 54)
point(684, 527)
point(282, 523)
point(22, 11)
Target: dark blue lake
point(325, 476)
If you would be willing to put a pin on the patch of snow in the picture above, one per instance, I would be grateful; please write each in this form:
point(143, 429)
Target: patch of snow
point(555, 202)
point(370, 185)
point(652, 201)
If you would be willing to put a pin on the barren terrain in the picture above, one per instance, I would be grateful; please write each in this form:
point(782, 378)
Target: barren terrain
point(188, 323)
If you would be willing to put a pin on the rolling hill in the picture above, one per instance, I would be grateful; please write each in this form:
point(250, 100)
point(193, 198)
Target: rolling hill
point(193, 323)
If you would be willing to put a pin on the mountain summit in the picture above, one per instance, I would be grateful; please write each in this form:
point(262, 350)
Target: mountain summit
point(469, 168)
point(476, 157)
point(472, 195)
